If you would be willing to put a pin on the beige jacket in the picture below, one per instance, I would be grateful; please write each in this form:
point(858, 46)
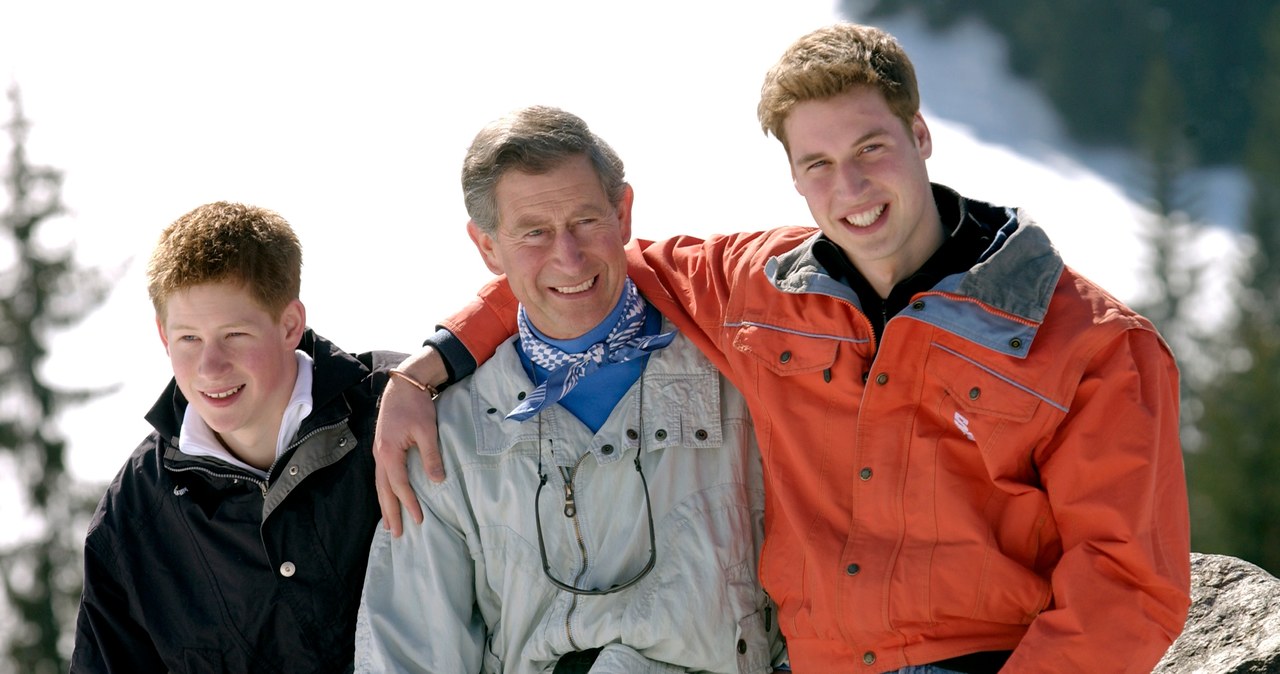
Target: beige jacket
point(466, 591)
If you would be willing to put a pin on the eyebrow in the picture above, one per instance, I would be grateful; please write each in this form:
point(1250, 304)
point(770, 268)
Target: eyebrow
point(538, 221)
point(806, 158)
point(236, 325)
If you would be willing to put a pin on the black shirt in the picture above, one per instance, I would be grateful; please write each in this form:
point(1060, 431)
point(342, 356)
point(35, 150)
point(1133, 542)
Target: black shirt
point(965, 242)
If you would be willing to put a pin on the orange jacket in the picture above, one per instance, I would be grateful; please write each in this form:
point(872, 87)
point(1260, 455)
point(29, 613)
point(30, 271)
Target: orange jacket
point(1004, 473)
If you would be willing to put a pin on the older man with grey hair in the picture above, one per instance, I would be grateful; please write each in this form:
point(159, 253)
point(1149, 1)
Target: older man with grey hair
point(603, 509)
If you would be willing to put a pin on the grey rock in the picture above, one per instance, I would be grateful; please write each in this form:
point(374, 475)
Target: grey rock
point(1234, 622)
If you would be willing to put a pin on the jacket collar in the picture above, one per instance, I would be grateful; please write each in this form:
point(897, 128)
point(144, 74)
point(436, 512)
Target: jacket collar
point(335, 371)
point(1015, 276)
point(679, 407)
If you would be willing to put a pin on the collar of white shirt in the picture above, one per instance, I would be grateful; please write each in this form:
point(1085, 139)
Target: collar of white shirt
point(197, 439)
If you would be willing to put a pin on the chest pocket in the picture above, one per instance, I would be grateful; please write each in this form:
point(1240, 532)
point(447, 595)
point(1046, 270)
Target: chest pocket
point(977, 388)
point(786, 352)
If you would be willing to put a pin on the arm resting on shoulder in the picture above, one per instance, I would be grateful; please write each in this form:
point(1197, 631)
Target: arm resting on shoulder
point(406, 418)
point(418, 612)
point(686, 278)
point(695, 281)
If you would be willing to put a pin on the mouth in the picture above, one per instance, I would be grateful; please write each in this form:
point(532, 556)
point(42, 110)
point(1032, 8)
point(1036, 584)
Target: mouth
point(865, 218)
point(225, 394)
point(573, 290)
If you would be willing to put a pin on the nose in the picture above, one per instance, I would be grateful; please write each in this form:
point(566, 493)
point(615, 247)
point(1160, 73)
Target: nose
point(852, 180)
point(213, 359)
point(568, 248)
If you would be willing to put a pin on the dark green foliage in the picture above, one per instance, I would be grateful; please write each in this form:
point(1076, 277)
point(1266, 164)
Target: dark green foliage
point(1235, 496)
point(1169, 231)
point(1088, 56)
point(1235, 477)
point(1262, 161)
point(42, 291)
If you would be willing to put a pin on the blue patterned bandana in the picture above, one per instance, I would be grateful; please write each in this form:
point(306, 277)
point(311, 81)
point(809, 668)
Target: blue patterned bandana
point(567, 369)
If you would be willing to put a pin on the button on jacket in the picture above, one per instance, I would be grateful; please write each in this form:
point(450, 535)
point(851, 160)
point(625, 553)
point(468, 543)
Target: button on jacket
point(466, 591)
point(194, 565)
point(1002, 471)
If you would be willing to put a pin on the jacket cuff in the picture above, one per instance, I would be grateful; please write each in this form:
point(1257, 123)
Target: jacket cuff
point(458, 363)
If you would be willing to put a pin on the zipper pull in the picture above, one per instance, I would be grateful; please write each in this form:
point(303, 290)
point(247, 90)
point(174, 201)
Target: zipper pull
point(570, 508)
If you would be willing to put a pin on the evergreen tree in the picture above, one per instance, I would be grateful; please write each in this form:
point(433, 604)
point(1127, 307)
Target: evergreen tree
point(1235, 478)
point(1171, 232)
point(1087, 55)
point(42, 291)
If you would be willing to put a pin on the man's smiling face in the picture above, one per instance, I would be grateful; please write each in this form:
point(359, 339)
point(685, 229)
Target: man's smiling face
point(560, 243)
point(232, 360)
point(862, 173)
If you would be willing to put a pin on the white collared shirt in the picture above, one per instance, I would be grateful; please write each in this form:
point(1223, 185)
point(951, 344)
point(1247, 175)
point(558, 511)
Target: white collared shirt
point(197, 439)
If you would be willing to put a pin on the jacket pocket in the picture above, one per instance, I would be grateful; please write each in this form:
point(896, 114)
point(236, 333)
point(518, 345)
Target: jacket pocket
point(987, 423)
point(756, 633)
point(981, 389)
point(786, 352)
point(985, 585)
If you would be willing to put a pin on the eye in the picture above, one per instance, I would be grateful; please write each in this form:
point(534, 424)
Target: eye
point(816, 165)
point(873, 147)
point(188, 338)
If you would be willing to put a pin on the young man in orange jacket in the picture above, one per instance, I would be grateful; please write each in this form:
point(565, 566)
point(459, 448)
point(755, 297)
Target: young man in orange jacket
point(971, 452)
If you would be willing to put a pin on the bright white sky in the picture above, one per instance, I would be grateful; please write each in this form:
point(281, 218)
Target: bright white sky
point(351, 121)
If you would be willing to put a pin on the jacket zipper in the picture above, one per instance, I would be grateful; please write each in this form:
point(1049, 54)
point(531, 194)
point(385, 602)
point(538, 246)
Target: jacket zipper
point(310, 435)
point(571, 511)
point(263, 485)
point(985, 307)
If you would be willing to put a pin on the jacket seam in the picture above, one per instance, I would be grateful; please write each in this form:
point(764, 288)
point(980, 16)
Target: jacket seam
point(800, 333)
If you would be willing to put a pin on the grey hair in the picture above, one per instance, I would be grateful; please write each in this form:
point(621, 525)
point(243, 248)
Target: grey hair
point(535, 140)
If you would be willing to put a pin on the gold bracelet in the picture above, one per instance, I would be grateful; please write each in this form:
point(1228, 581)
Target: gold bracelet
point(425, 388)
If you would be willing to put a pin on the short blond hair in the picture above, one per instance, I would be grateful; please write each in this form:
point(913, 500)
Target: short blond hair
point(832, 60)
point(226, 241)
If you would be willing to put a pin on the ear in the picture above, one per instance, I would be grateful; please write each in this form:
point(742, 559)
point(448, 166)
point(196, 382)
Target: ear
point(164, 338)
point(486, 245)
point(624, 211)
point(920, 132)
point(294, 321)
point(791, 168)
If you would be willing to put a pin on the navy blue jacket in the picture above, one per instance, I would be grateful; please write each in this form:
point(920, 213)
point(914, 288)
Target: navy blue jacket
point(193, 565)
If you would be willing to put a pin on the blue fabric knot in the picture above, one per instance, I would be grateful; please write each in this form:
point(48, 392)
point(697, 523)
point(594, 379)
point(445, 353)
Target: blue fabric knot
point(622, 344)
